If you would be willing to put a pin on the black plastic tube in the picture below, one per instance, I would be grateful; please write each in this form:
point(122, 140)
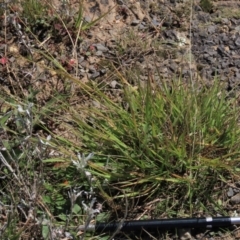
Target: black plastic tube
point(165, 224)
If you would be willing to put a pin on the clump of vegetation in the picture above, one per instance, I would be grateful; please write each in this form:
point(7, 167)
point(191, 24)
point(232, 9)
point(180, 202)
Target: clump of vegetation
point(206, 5)
point(229, 12)
point(167, 139)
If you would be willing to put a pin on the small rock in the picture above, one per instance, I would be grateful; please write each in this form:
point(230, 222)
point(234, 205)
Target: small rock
point(11, 59)
point(203, 34)
point(163, 70)
point(103, 71)
point(84, 64)
point(212, 53)
point(135, 22)
point(171, 34)
point(99, 53)
point(225, 21)
point(185, 234)
point(3, 46)
point(237, 63)
point(155, 22)
point(237, 41)
point(81, 59)
point(113, 84)
point(100, 47)
point(96, 104)
point(92, 69)
point(87, 19)
point(230, 192)
point(224, 38)
point(95, 75)
point(235, 199)
point(211, 29)
point(141, 26)
point(173, 66)
point(117, 18)
point(237, 28)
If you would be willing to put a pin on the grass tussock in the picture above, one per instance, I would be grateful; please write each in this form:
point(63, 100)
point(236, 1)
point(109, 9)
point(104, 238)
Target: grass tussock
point(168, 140)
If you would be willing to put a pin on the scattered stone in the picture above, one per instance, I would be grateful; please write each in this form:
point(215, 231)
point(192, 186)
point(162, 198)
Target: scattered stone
point(81, 59)
point(96, 104)
point(99, 53)
point(141, 26)
point(84, 64)
point(113, 84)
point(87, 19)
point(184, 234)
point(95, 75)
point(135, 22)
point(101, 47)
point(11, 59)
point(225, 21)
point(155, 22)
point(92, 69)
point(230, 192)
point(173, 67)
point(103, 71)
point(237, 42)
point(211, 29)
point(235, 199)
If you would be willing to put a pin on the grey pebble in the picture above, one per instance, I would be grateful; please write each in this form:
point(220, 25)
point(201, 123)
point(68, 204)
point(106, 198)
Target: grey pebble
point(84, 64)
point(92, 69)
point(11, 59)
point(81, 59)
point(95, 75)
point(225, 21)
point(237, 41)
point(211, 29)
point(2, 46)
point(237, 28)
point(96, 104)
point(155, 22)
point(103, 71)
point(101, 47)
point(141, 26)
point(235, 199)
point(173, 67)
point(230, 192)
point(99, 53)
point(87, 19)
point(135, 22)
point(113, 84)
